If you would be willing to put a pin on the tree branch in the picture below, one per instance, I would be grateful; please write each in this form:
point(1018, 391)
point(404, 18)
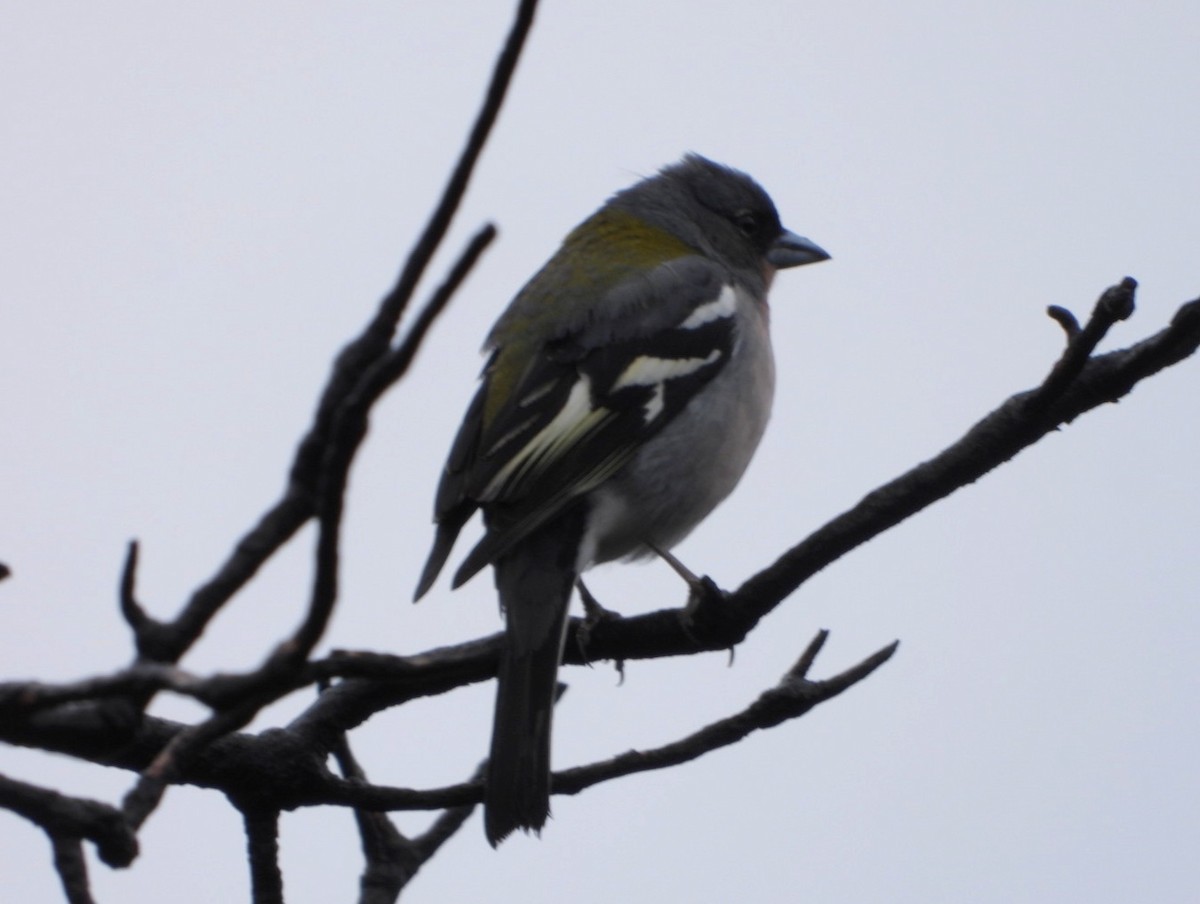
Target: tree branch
point(1069, 391)
point(262, 849)
point(71, 866)
point(286, 767)
point(102, 719)
point(168, 641)
point(72, 817)
point(791, 698)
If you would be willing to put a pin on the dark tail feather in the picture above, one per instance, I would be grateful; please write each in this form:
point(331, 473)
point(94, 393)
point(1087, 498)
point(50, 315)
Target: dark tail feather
point(518, 774)
point(443, 541)
point(535, 583)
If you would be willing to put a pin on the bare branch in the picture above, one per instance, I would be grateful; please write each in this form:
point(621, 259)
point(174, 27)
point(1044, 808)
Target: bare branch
point(168, 641)
point(72, 817)
point(23, 698)
point(1021, 421)
point(446, 825)
point(71, 867)
point(1065, 319)
point(262, 848)
point(346, 435)
point(173, 759)
point(318, 479)
point(102, 719)
point(723, 620)
point(791, 698)
point(392, 860)
point(135, 616)
point(300, 500)
point(1116, 303)
point(387, 854)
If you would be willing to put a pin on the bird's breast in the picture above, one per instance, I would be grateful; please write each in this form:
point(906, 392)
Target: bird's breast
point(688, 468)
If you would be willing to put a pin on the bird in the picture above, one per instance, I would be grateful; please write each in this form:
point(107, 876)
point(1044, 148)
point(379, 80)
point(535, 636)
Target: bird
point(625, 389)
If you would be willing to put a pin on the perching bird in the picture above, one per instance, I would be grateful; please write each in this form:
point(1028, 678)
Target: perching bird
point(628, 384)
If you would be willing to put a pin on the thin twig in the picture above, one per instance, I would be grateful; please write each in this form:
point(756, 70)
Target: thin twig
point(71, 866)
point(388, 858)
point(262, 851)
point(299, 502)
point(1018, 423)
point(447, 824)
point(73, 817)
point(791, 698)
point(1065, 319)
point(347, 435)
point(135, 616)
point(1116, 303)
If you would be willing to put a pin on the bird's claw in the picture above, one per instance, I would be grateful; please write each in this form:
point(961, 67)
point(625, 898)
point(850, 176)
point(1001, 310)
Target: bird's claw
point(594, 614)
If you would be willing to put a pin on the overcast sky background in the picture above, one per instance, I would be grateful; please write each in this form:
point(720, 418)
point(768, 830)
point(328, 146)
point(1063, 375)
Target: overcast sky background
point(201, 202)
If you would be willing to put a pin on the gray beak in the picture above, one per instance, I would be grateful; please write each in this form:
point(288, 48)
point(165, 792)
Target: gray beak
point(791, 250)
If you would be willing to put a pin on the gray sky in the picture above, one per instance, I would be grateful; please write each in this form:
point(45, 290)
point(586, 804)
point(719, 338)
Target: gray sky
point(201, 202)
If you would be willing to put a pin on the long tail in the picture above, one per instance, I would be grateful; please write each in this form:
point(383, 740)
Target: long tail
point(535, 583)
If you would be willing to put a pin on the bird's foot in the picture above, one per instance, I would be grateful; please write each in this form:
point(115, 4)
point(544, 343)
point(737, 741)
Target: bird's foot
point(704, 600)
point(594, 614)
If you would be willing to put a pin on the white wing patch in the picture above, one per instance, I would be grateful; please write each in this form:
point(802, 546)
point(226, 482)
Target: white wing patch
point(574, 420)
point(577, 418)
point(721, 306)
point(648, 371)
point(654, 405)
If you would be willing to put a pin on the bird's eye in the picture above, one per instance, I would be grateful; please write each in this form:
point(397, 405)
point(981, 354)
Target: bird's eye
point(747, 224)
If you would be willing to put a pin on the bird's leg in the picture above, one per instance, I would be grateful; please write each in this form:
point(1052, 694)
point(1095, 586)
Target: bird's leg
point(593, 609)
point(689, 576)
point(703, 594)
point(594, 614)
point(701, 589)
